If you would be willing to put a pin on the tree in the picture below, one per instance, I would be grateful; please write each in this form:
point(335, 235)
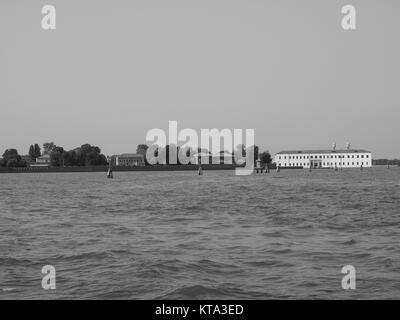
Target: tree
point(87, 155)
point(37, 151)
point(69, 158)
point(10, 154)
point(142, 149)
point(14, 163)
point(11, 158)
point(32, 152)
point(48, 147)
point(266, 157)
point(56, 156)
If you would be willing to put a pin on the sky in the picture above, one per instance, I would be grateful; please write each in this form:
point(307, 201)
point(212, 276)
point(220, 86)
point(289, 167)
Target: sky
point(113, 70)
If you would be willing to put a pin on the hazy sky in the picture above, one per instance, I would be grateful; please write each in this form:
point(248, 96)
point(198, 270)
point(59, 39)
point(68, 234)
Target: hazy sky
point(112, 70)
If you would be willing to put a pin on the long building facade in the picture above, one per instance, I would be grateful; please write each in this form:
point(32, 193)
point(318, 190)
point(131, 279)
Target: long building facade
point(130, 160)
point(348, 158)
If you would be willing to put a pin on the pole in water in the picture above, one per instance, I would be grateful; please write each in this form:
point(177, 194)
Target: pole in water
point(109, 172)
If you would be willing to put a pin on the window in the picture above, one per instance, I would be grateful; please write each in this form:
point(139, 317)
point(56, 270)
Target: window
point(362, 156)
point(367, 156)
point(279, 157)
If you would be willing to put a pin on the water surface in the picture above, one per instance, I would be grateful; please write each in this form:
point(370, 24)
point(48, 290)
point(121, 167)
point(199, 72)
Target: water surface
point(175, 235)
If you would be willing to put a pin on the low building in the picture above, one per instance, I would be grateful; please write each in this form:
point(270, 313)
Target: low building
point(42, 161)
point(348, 158)
point(222, 157)
point(129, 160)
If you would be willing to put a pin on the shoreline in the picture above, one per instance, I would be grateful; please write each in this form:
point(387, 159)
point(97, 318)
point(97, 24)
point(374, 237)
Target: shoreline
point(117, 169)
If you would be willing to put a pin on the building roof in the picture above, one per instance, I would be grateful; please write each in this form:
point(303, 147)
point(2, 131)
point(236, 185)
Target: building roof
point(324, 151)
point(131, 155)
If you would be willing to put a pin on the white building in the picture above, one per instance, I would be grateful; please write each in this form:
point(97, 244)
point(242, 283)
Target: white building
point(130, 160)
point(43, 161)
point(348, 158)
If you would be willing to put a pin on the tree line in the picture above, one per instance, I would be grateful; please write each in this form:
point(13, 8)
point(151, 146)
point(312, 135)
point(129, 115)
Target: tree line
point(264, 156)
point(85, 155)
point(89, 155)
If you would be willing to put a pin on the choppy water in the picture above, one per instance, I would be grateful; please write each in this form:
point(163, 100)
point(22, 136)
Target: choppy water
point(148, 235)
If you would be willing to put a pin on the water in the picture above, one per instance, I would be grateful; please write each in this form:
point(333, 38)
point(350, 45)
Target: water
point(146, 235)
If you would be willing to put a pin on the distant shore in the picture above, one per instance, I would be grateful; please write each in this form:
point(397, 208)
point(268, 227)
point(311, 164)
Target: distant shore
point(189, 167)
point(117, 168)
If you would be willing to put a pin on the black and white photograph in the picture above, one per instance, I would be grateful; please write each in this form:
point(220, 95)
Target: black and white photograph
point(199, 150)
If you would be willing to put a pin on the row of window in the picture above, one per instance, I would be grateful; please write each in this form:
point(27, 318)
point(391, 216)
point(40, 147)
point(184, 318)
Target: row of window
point(323, 157)
point(324, 164)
